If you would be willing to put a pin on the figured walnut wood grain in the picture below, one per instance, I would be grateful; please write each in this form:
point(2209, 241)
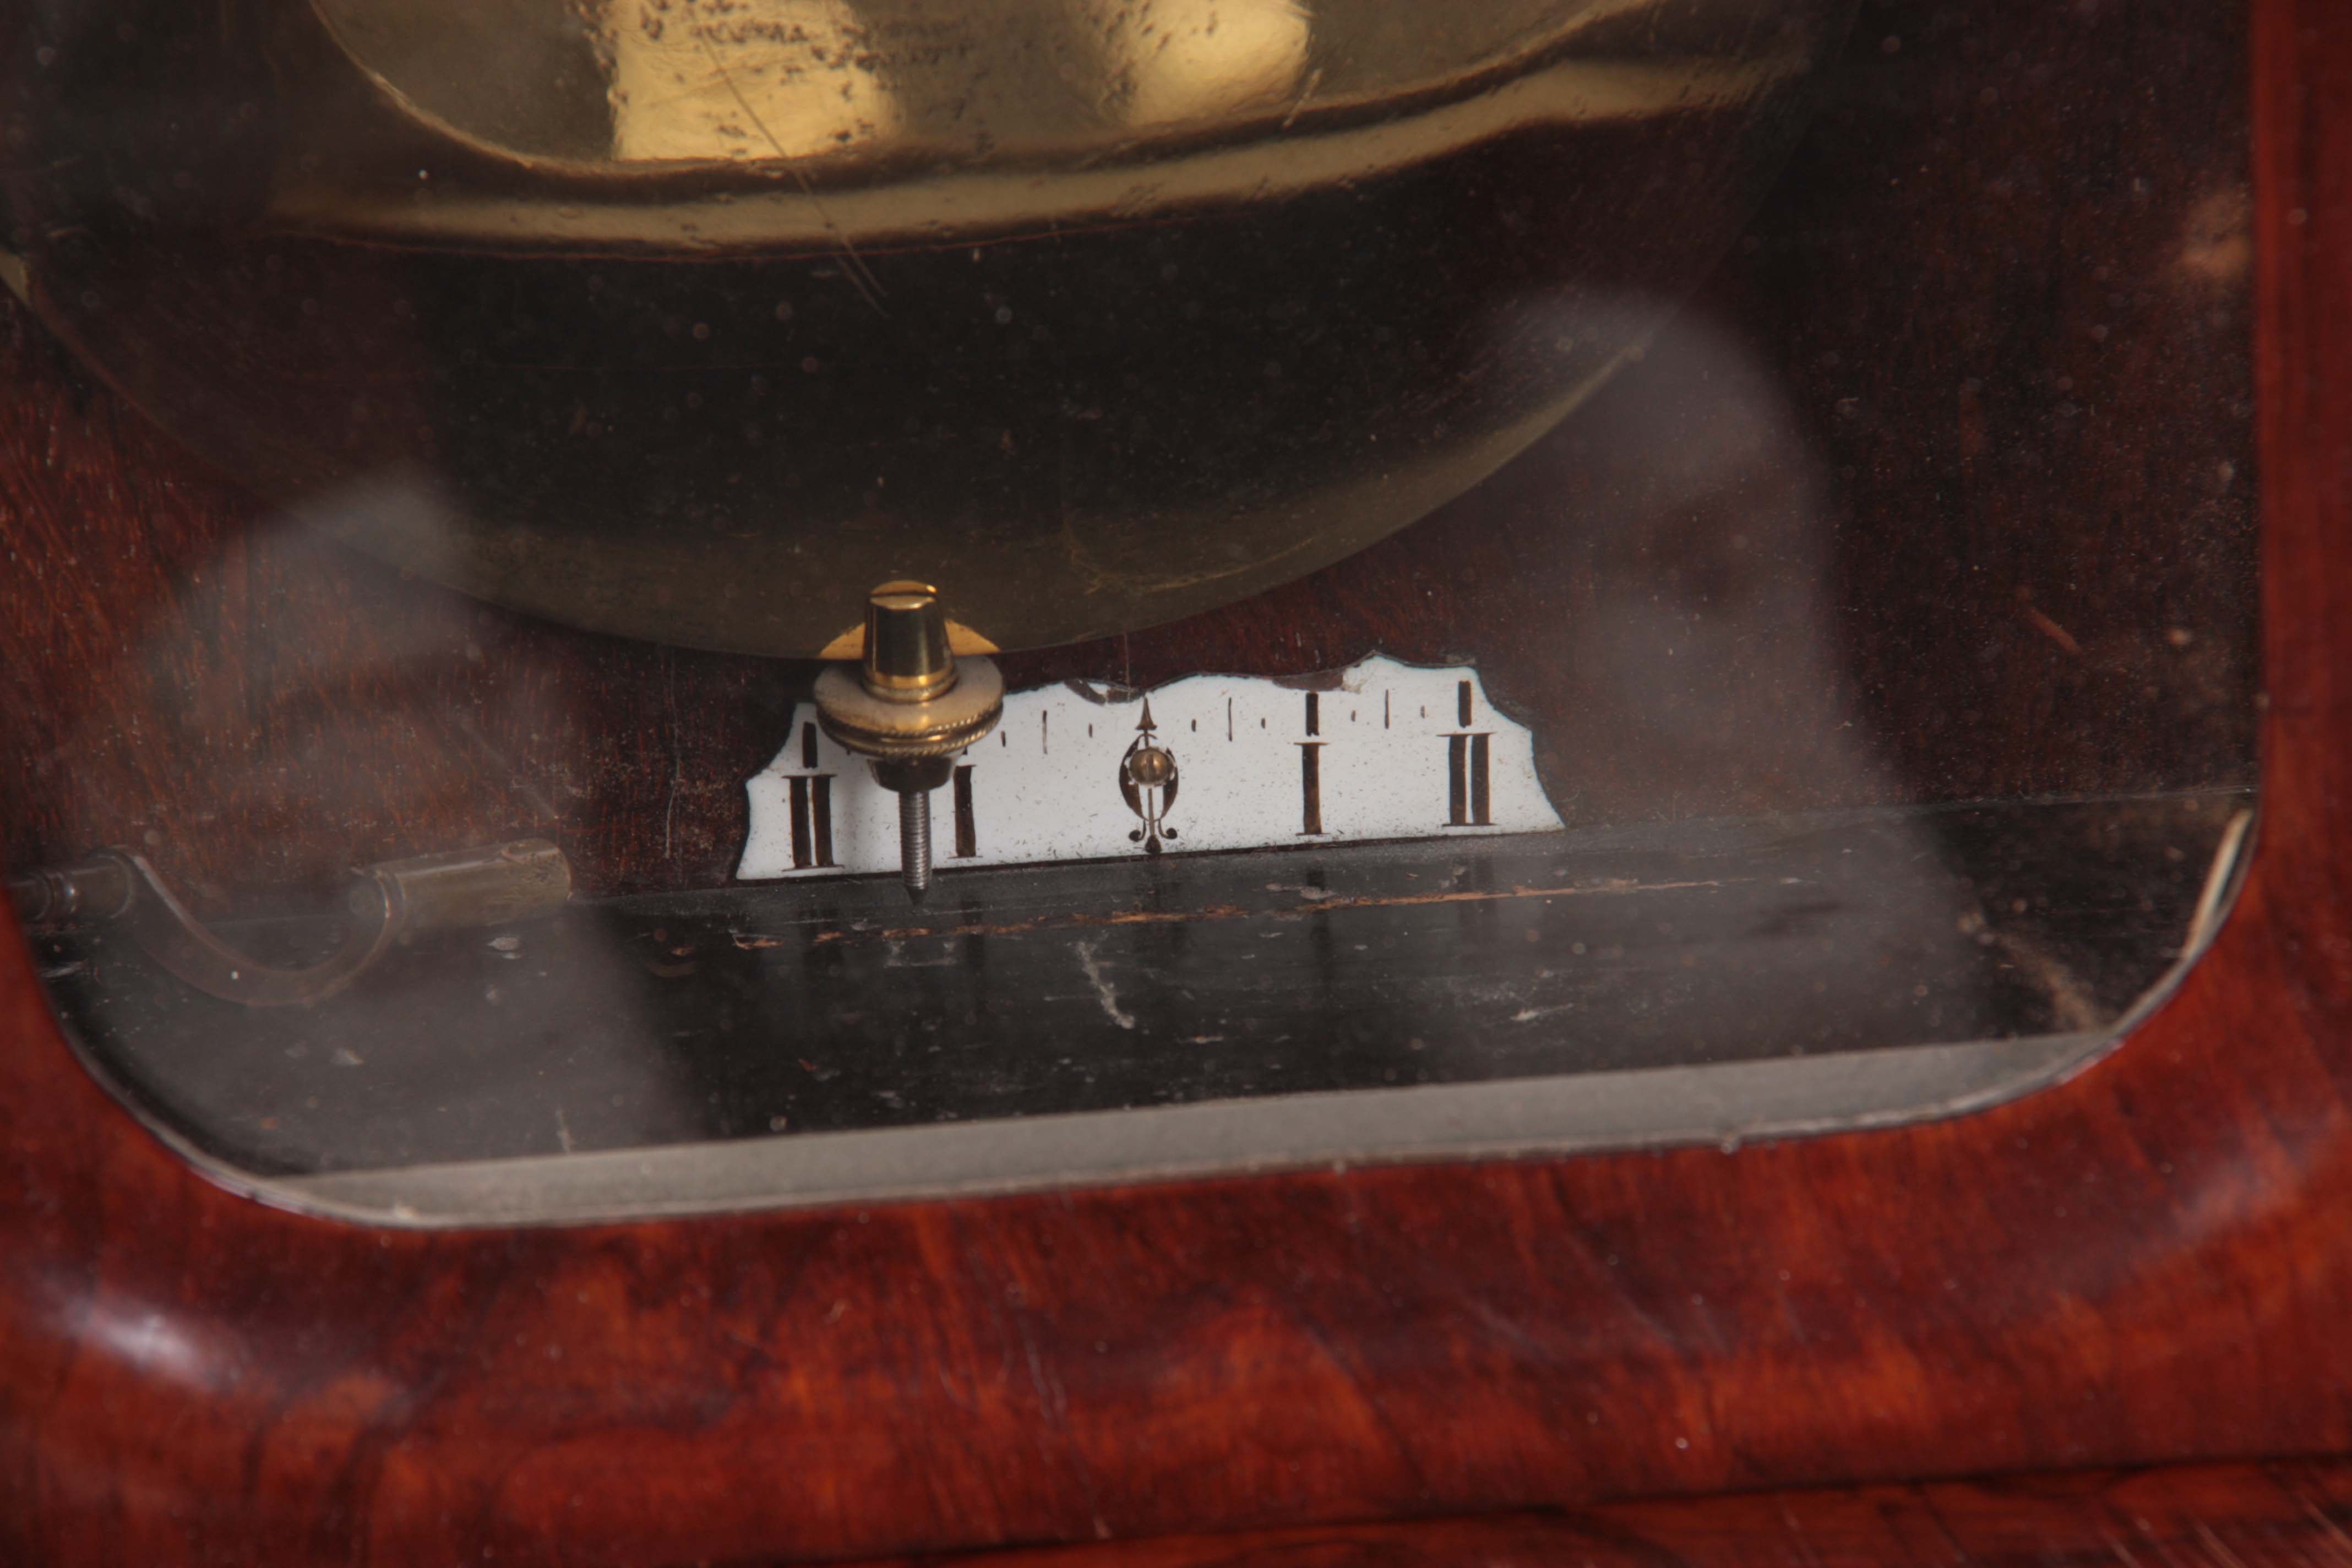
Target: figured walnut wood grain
point(2281, 1515)
point(2147, 1263)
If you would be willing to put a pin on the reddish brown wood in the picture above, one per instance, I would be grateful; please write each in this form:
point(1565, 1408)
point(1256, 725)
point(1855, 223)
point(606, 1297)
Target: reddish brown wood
point(2218, 1516)
point(2147, 1263)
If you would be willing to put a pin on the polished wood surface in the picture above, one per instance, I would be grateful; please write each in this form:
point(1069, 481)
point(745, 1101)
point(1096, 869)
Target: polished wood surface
point(2277, 1515)
point(2147, 1263)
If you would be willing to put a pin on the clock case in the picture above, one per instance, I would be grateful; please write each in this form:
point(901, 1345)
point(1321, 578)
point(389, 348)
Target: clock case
point(2136, 1264)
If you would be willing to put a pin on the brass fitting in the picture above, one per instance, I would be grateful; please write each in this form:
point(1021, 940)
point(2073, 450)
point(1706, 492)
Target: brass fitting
point(907, 707)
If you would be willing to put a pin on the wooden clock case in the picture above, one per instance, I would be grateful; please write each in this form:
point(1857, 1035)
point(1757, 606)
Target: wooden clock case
point(2144, 1264)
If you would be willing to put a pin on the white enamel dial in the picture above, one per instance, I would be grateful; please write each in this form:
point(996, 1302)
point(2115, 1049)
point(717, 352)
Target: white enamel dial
point(1208, 762)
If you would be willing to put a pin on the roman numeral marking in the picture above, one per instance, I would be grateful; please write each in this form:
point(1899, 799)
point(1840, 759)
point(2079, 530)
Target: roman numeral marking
point(811, 820)
point(1469, 789)
point(1310, 787)
point(967, 831)
point(1061, 783)
point(811, 807)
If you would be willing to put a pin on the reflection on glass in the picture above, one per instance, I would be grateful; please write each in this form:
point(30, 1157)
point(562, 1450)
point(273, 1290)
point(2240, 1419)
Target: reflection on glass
point(1865, 587)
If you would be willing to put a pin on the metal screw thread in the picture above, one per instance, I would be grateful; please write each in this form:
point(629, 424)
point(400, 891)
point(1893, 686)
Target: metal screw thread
point(915, 841)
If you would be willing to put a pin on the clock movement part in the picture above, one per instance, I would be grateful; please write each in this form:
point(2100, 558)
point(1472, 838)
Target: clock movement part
point(907, 708)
